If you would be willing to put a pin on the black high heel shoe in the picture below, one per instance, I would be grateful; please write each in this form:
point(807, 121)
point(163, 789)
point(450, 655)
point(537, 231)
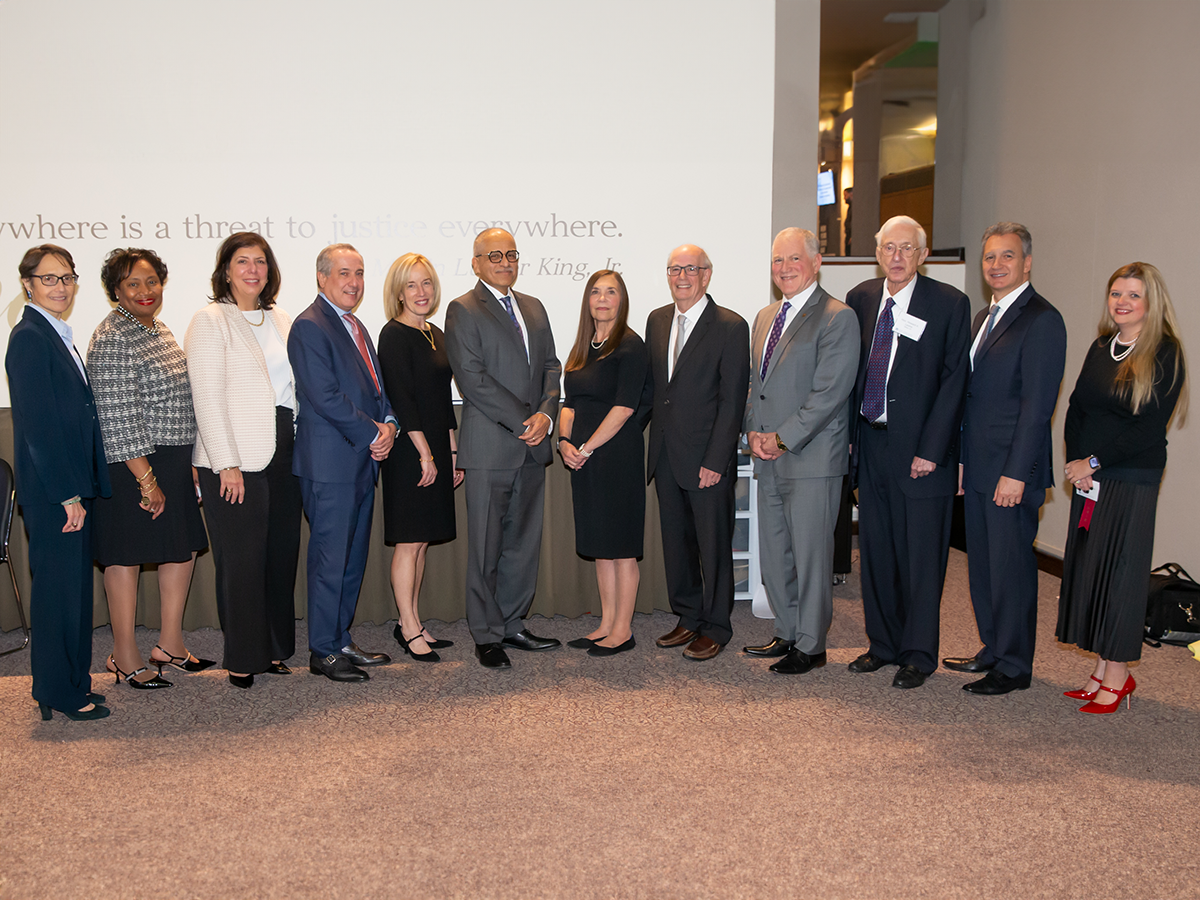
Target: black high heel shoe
point(277, 668)
point(241, 681)
point(431, 656)
point(434, 643)
point(88, 715)
point(156, 682)
point(186, 663)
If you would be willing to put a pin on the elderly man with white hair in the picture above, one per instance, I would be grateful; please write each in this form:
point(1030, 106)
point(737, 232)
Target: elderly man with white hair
point(907, 413)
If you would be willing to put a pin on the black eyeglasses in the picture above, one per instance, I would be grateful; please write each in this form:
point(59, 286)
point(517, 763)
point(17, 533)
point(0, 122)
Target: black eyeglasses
point(675, 271)
point(52, 280)
point(498, 255)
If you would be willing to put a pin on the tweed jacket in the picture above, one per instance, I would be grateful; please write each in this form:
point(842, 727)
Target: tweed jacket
point(231, 388)
point(140, 381)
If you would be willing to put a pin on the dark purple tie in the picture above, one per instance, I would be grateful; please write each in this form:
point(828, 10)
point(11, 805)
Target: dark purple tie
point(875, 391)
point(773, 338)
point(507, 301)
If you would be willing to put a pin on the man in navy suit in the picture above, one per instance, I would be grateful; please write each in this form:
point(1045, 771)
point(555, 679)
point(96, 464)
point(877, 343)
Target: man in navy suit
point(344, 428)
point(700, 372)
point(1017, 359)
point(907, 405)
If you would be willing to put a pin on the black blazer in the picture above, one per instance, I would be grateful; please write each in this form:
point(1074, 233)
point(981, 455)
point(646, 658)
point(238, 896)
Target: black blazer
point(697, 415)
point(1011, 396)
point(58, 448)
point(926, 388)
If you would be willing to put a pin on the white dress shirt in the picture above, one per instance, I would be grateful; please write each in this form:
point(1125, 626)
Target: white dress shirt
point(900, 301)
point(693, 318)
point(64, 331)
point(516, 307)
point(1005, 305)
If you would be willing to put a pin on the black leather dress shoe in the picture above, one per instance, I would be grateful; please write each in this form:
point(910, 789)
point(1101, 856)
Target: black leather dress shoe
point(797, 662)
point(996, 682)
point(525, 640)
point(868, 663)
point(967, 664)
point(361, 657)
point(492, 656)
point(909, 677)
point(776, 647)
point(335, 667)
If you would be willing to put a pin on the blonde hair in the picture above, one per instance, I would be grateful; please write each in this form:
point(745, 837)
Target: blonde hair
point(398, 276)
point(1136, 376)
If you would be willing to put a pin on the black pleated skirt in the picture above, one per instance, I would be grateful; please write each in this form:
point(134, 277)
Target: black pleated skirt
point(125, 535)
point(1106, 572)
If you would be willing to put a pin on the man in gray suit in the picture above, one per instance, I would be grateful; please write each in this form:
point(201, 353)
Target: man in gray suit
point(804, 357)
point(502, 353)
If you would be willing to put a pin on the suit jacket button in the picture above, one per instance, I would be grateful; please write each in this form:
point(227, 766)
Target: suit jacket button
point(762, 396)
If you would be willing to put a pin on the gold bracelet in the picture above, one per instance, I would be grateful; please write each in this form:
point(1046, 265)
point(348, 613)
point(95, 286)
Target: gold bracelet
point(145, 475)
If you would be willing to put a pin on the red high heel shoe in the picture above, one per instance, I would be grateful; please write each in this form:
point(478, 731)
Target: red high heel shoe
point(1124, 691)
point(1083, 695)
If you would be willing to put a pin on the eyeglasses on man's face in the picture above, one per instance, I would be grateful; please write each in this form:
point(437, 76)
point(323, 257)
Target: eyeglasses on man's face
point(497, 255)
point(891, 249)
point(676, 271)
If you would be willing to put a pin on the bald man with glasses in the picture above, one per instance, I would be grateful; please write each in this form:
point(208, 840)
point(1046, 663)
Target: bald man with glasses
point(501, 350)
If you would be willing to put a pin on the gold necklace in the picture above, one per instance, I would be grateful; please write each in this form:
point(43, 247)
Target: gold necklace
point(260, 322)
point(428, 332)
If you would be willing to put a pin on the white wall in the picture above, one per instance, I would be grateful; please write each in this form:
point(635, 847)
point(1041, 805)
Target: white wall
point(1081, 123)
point(410, 125)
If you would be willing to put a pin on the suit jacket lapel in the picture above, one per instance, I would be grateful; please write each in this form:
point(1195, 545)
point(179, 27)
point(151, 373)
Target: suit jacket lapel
point(36, 319)
point(241, 330)
point(694, 336)
point(1009, 316)
point(798, 320)
point(500, 314)
point(342, 336)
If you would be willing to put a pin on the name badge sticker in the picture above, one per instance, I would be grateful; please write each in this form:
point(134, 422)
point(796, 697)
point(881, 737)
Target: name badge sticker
point(909, 326)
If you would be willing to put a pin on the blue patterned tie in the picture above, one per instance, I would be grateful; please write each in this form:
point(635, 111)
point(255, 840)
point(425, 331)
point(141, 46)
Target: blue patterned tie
point(875, 391)
point(773, 338)
point(992, 316)
point(507, 301)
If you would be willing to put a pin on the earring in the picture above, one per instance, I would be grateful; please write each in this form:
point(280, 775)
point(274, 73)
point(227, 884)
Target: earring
point(28, 294)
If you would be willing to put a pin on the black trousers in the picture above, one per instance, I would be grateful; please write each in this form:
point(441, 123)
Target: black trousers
point(256, 546)
point(60, 606)
point(697, 533)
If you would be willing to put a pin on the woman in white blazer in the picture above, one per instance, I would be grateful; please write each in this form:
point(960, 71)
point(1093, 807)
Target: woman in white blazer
point(244, 395)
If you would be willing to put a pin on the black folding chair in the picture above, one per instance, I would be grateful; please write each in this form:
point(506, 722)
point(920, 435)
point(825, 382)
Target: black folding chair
point(8, 504)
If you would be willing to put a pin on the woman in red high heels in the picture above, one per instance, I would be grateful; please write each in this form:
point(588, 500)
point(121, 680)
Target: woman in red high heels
point(1132, 382)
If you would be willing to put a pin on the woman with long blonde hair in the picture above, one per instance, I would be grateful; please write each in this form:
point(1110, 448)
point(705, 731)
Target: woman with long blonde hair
point(1133, 381)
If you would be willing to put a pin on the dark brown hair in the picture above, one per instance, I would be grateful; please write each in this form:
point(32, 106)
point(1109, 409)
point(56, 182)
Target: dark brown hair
point(119, 263)
point(220, 277)
point(587, 325)
point(33, 258)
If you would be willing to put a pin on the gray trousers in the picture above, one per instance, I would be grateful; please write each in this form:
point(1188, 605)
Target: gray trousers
point(796, 519)
point(504, 543)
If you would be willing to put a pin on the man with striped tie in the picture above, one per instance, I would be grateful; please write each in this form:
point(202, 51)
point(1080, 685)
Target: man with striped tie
point(803, 360)
point(907, 413)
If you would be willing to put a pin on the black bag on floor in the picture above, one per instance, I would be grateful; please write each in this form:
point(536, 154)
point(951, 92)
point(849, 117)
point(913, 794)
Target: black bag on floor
point(1173, 607)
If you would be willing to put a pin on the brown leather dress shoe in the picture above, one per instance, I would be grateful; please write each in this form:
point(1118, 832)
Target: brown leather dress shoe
point(676, 637)
point(702, 648)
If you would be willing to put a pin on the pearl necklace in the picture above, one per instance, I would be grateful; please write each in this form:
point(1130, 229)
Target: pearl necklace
point(132, 318)
point(1112, 348)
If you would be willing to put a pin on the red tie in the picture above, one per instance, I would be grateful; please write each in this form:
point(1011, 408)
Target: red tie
point(362, 346)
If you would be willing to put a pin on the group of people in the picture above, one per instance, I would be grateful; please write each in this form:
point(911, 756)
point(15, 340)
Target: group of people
point(895, 387)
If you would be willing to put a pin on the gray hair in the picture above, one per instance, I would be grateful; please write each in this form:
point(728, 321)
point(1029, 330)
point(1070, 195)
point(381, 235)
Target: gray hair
point(704, 260)
point(325, 257)
point(811, 245)
point(903, 220)
point(1010, 228)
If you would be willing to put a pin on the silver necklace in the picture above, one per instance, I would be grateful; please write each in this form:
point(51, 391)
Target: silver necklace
point(596, 346)
point(1112, 348)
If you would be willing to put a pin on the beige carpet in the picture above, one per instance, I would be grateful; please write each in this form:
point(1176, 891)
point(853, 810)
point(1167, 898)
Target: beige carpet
point(643, 775)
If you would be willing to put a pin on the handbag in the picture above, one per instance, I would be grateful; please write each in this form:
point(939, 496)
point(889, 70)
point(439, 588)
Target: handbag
point(1172, 607)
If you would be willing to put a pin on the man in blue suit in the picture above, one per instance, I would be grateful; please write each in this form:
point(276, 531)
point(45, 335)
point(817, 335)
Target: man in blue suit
point(344, 428)
point(907, 403)
point(1018, 353)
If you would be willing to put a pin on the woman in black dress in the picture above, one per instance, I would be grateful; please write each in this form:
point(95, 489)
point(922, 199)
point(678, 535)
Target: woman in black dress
point(1133, 380)
point(600, 439)
point(419, 476)
point(144, 404)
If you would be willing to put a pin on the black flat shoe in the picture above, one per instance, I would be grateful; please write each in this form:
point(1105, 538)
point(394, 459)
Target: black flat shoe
point(277, 668)
point(431, 656)
point(241, 681)
point(185, 663)
point(93, 697)
point(583, 643)
point(96, 712)
point(130, 677)
point(597, 650)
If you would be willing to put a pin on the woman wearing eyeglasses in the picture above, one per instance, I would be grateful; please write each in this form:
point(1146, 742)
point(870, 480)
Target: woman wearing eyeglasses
point(60, 471)
point(145, 408)
point(600, 440)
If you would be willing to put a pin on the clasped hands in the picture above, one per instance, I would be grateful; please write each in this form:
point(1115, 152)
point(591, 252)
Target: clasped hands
point(382, 445)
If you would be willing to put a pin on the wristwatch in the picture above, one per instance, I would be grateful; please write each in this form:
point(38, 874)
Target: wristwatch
point(780, 444)
point(1093, 462)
